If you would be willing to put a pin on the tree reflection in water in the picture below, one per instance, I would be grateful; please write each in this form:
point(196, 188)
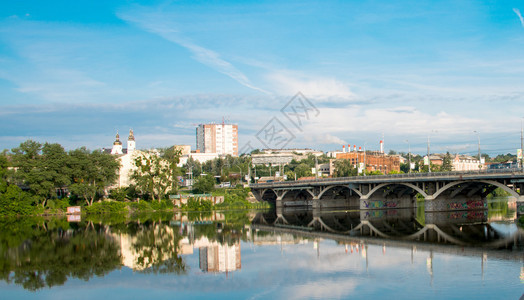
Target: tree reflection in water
point(45, 254)
point(37, 252)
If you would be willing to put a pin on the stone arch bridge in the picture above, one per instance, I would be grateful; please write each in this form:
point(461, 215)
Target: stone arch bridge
point(442, 191)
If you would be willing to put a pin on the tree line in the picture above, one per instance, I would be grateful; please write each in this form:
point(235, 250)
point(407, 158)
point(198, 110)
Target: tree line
point(36, 176)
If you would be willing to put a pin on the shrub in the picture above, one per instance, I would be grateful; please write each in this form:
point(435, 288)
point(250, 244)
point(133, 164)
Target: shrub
point(106, 207)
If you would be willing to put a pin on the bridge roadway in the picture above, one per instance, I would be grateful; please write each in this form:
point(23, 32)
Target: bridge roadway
point(443, 191)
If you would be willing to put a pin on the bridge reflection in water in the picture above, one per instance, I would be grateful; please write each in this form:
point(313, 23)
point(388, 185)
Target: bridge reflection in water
point(457, 232)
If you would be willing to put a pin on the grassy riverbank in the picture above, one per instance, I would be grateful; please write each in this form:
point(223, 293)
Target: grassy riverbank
point(233, 199)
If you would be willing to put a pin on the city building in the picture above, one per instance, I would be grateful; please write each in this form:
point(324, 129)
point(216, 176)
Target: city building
point(467, 163)
point(184, 149)
point(282, 156)
point(374, 160)
point(217, 138)
point(296, 151)
point(197, 156)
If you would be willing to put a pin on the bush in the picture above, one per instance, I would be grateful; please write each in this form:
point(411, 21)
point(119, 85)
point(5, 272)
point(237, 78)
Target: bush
point(106, 207)
point(162, 205)
point(198, 204)
point(58, 204)
point(140, 206)
point(15, 202)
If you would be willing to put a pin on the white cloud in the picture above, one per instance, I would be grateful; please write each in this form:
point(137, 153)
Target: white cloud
point(517, 11)
point(324, 289)
point(158, 23)
point(324, 139)
point(317, 88)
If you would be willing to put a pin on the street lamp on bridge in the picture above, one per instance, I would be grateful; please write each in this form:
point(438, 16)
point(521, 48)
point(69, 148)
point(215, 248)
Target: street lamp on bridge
point(480, 159)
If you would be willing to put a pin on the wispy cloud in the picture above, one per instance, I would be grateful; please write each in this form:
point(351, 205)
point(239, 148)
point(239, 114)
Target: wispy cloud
point(159, 23)
point(319, 88)
point(517, 11)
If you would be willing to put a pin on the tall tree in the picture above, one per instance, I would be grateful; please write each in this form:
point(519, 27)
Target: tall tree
point(446, 163)
point(43, 168)
point(204, 184)
point(156, 173)
point(344, 168)
point(91, 173)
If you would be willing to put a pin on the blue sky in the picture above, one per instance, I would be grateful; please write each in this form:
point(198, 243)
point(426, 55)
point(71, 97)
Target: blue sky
point(75, 73)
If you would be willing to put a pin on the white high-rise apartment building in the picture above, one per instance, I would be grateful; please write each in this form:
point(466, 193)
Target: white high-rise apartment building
point(217, 138)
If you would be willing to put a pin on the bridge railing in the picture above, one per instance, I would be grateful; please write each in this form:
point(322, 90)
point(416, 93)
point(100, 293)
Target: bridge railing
point(451, 174)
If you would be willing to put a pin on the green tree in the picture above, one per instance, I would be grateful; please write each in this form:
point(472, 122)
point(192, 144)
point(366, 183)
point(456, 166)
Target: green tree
point(303, 170)
point(3, 173)
point(92, 173)
point(446, 163)
point(204, 184)
point(344, 168)
point(43, 168)
point(156, 173)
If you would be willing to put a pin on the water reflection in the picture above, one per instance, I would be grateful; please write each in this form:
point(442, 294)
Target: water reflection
point(460, 228)
point(38, 253)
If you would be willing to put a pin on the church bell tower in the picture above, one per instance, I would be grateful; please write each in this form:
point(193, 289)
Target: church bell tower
point(117, 145)
point(131, 141)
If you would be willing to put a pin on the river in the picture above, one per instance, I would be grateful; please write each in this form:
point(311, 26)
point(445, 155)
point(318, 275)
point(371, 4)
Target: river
point(287, 254)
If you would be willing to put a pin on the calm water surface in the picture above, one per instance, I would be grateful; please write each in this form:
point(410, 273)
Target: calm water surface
point(290, 254)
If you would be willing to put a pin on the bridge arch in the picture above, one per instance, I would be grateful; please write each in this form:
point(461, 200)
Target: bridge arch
point(269, 195)
point(305, 190)
point(378, 187)
point(343, 186)
point(490, 182)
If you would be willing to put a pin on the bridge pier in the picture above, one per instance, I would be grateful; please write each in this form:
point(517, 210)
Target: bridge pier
point(520, 206)
point(278, 202)
point(456, 203)
point(316, 203)
point(387, 203)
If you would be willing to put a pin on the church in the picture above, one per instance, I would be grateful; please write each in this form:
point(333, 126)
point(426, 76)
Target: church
point(126, 157)
point(117, 144)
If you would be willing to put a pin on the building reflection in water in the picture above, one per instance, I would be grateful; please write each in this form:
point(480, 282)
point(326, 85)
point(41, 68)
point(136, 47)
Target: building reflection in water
point(465, 233)
point(217, 258)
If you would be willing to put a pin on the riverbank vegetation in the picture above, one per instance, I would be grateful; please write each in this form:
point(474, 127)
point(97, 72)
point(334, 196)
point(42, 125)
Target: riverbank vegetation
point(44, 179)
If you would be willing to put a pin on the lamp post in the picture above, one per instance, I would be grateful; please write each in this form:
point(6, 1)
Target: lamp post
point(364, 159)
point(409, 157)
point(480, 159)
point(429, 160)
point(521, 145)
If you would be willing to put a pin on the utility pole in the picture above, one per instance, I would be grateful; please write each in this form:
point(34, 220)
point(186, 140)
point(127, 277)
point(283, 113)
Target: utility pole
point(364, 159)
point(521, 145)
point(480, 159)
point(429, 160)
point(409, 157)
point(316, 167)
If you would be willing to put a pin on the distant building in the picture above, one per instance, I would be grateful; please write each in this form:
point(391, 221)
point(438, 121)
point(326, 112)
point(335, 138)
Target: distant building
point(217, 138)
point(503, 165)
point(117, 145)
point(295, 151)
point(375, 161)
point(184, 149)
point(326, 170)
point(126, 157)
point(467, 163)
point(282, 156)
point(272, 158)
point(200, 157)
